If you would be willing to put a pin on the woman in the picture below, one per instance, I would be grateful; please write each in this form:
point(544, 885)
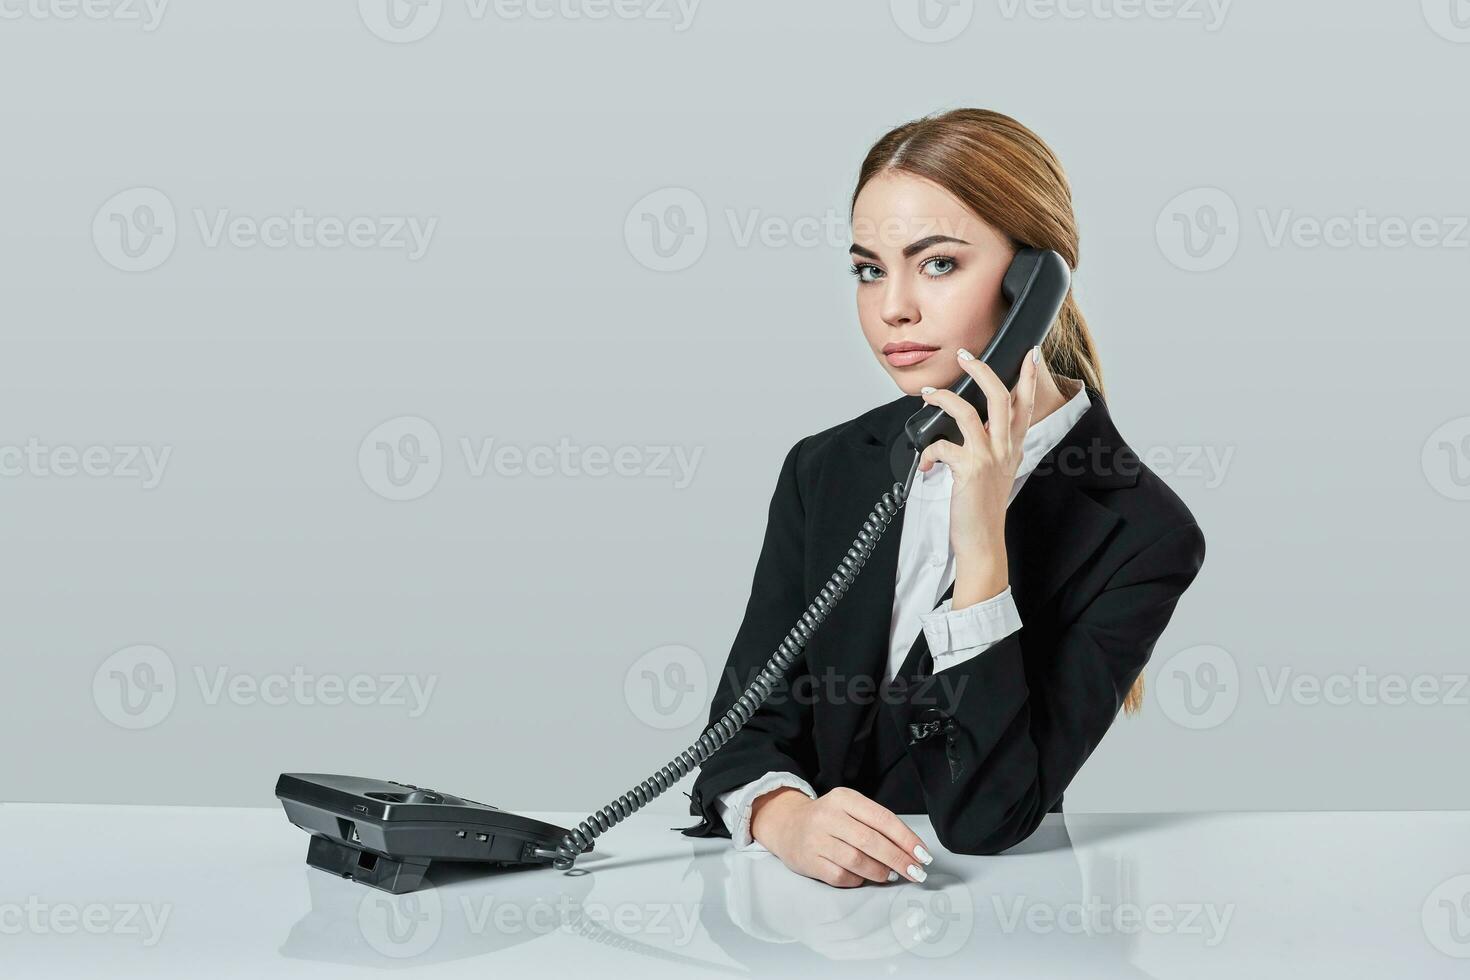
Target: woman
point(1058, 556)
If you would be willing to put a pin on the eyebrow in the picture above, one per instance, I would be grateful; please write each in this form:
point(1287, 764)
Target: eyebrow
point(911, 249)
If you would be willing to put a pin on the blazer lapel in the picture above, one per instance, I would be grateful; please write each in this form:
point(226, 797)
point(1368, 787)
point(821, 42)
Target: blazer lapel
point(880, 459)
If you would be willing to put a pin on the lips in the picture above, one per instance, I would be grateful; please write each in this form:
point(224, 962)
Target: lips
point(907, 353)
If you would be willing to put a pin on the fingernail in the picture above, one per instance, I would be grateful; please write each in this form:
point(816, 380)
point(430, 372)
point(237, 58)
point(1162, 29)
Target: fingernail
point(926, 390)
point(893, 876)
point(1036, 354)
point(965, 355)
point(922, 854)
point(917, 873)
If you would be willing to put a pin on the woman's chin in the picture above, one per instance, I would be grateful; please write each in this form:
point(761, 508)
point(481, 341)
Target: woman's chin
point(914, 385)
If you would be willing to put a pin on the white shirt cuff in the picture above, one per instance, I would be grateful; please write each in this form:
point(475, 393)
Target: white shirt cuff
point(734, 805)
point(955, 636)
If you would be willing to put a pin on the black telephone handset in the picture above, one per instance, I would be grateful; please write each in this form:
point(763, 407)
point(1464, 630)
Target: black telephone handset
point(1036, 283)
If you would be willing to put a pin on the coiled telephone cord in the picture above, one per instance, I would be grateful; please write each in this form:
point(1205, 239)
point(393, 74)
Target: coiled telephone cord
point(580, 839)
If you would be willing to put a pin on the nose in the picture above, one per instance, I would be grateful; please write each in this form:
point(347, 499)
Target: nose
point(899, 308)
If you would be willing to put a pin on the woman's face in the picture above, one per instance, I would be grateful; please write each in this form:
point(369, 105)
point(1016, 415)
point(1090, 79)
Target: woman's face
point(928, 273)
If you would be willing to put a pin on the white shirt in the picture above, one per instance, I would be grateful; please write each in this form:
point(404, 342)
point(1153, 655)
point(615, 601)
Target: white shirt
point(925, 572)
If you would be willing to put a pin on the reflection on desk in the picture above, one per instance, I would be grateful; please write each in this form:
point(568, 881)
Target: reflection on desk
point(165, 891)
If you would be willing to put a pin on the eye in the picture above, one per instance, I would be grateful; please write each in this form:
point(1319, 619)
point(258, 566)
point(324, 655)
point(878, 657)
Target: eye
point(866, 272)
point(938, 265)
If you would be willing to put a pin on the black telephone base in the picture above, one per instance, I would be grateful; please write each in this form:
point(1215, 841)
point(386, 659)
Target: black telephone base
point(387, 834)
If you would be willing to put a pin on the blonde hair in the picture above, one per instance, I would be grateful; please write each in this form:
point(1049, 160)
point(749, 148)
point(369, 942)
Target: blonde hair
point(1004, 173)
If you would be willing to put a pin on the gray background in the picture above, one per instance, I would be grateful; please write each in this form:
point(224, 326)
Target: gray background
point(1323, 374)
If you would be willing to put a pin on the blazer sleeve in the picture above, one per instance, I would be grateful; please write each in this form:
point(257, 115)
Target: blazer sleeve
point(777, 738)
point(994, 753)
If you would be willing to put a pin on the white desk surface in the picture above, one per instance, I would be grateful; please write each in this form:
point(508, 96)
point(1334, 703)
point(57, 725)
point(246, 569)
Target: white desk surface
point(116, 891)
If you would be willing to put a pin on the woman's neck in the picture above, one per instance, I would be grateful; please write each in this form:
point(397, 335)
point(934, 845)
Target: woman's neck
point(1052, 392)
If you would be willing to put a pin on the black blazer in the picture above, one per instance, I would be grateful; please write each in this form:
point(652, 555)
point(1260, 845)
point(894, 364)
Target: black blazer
point(1100, 550)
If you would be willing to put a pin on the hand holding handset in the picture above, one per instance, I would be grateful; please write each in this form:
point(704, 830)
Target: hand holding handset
point(1036, 283)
